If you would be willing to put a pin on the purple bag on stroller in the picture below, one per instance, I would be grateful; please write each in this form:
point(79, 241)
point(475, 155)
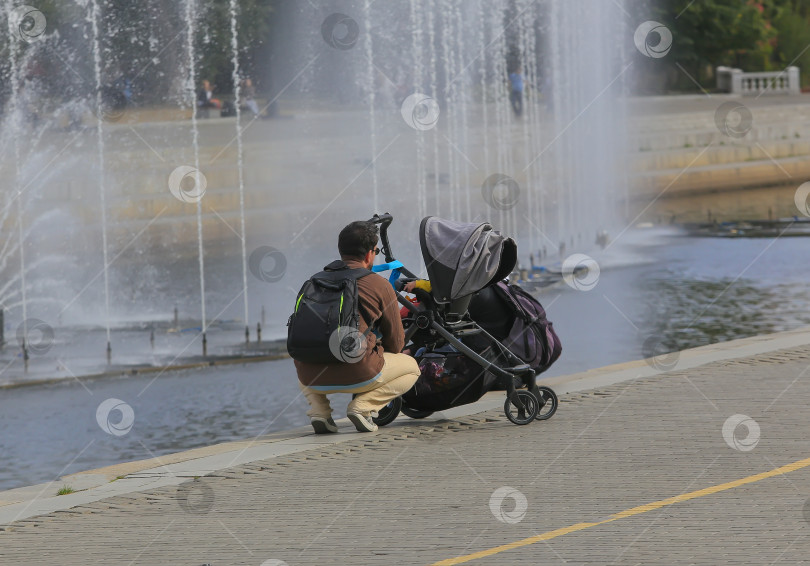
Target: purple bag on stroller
point(532, 337)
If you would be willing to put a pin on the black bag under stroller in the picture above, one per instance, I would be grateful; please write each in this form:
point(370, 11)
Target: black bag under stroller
point(449, 378)
point(460, 361)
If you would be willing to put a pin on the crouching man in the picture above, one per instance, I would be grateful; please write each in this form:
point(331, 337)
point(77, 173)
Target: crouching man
point(374, 369)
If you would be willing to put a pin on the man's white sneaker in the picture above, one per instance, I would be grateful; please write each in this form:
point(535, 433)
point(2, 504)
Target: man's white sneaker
point(362, 423)
point(323, 426)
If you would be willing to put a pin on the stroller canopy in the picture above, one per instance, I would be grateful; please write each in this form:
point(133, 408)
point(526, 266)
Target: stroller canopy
point(463, 258)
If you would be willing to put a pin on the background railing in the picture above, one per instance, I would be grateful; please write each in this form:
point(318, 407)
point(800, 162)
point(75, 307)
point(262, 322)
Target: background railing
point(735, 81)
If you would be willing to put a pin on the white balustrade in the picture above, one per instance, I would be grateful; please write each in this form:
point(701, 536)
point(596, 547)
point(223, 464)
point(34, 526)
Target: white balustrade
point(735, 81)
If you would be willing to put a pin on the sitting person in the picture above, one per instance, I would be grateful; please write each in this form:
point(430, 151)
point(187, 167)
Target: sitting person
point(205, 99)
point(383, 373)
point(249, 97)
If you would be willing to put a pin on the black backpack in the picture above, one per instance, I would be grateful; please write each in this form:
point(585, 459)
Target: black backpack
point(324, 327)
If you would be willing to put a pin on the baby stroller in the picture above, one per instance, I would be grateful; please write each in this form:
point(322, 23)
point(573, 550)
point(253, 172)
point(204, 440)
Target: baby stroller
point(460, 361)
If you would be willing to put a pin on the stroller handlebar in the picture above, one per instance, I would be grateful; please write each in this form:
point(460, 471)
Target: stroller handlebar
point(381, 218)
point(384, 220)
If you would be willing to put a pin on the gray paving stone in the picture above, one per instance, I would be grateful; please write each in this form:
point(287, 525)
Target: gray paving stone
point(421, 493)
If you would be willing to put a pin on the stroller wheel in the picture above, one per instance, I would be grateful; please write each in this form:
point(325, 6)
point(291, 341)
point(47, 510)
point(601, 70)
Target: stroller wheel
point(548, 403)
point(415, 413)
point(527, 413)
point(388, 413)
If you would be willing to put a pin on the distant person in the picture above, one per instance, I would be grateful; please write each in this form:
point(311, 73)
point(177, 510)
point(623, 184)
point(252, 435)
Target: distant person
point(126, 89)
point(124, 85)
point(379, 371)
point(28, 104)
point(249, 97)
point(205, 98)
point(516, 95)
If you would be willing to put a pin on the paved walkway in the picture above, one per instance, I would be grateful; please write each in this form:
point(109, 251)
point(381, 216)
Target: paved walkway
point(646, 470)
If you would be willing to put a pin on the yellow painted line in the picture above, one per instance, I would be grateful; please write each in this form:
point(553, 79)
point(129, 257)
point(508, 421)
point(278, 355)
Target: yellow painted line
point(627, 513)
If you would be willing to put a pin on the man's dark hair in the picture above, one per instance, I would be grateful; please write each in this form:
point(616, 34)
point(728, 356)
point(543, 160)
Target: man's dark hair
point(357, 239)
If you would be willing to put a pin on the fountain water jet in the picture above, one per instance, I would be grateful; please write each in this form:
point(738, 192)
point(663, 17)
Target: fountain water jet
point(191, 93)
point(456, 51)
point(369, 45)
point(233, 9)
point(416, 46)
point(16, 126)
point(432, 63)
point(565, 150)
point(94, 20)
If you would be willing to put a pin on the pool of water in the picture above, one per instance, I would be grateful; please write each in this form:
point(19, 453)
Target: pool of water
point(685, 292)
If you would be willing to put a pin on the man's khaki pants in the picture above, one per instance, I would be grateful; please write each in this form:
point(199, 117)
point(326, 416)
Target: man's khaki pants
point(398, 375)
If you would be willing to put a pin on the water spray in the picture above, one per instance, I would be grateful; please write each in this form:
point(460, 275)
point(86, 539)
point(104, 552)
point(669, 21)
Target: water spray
point(191, 82)
point(240, 156)
point(101, 185)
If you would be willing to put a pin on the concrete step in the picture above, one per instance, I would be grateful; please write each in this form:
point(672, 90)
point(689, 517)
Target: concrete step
point(718, 154)
point(787, 171)
point(701, 137)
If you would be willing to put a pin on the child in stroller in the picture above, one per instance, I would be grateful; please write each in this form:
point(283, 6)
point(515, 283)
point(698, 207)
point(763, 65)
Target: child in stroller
point(460, 361)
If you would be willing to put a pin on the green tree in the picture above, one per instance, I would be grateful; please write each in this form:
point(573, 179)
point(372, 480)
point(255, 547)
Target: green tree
point(792, 46)
point(754, 35)
point(709, 33)
point(141, 40)
point(214, 39)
